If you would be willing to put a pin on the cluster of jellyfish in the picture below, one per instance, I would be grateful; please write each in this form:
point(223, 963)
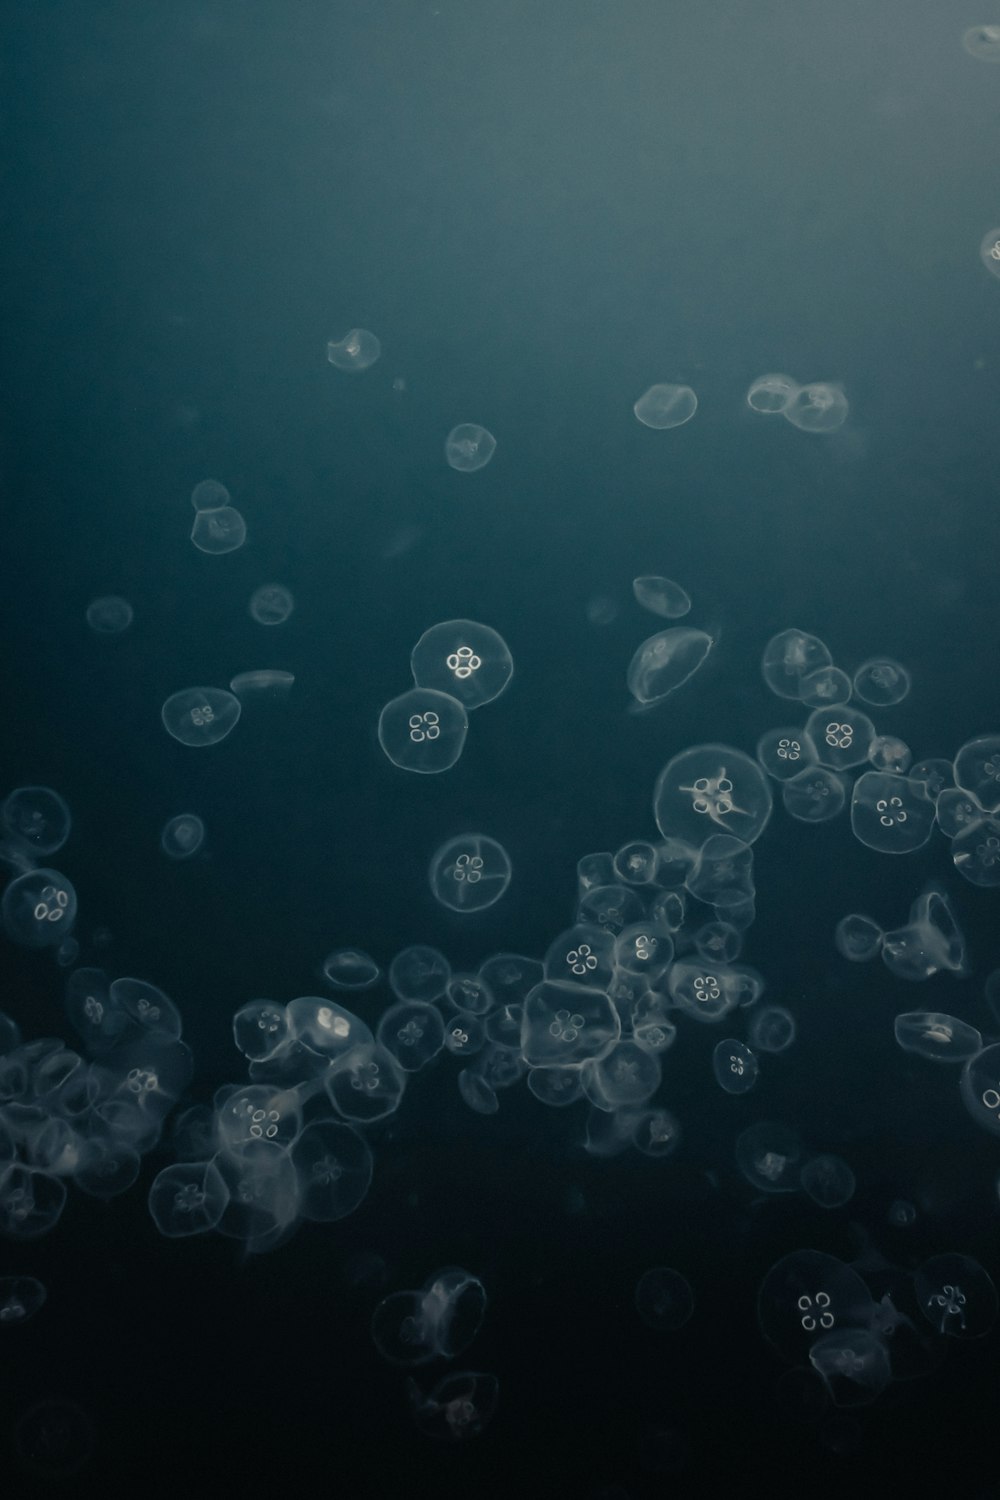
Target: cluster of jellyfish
point(655, 945)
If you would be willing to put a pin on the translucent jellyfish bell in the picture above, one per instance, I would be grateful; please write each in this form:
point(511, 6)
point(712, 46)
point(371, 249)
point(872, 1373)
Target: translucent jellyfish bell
point(355, 351)
point(881, 682)
point(200, 716)
point(956, 1295)
point(982, 43)
point(38, 817)
point(663, 1299)
point(661, 596)
point(334, 1166)
point(735, 1067)
point(989, 251)
point(271, 604)
point(711, 789)
point(665, 661)
point(182, 836)
point(790, 656)
point(39, 909)
point(469, 873)
point(890, 813)
point(930, 942)
point(469, 447)
point(109, 615)
point(821, 407)
point(209, 494)
point(937, 1037)
point(666, 405)
point(461, 657)
point(977, 770)
point(351, 969)
point(423, 730)
point(219, 531)
point(769, 395)
point(807, 1295)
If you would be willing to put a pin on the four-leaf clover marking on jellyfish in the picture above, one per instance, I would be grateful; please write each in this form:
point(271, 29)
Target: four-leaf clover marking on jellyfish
point(424, 726)
point(565, 1028)
point(581, 959)
point(463, 662)
point(469, 867)
point(51, 906)
point(890, 810)
point(989, 851)
point(815, 1312)
point(951, 1300)
point(839, 736)
point(714, 795)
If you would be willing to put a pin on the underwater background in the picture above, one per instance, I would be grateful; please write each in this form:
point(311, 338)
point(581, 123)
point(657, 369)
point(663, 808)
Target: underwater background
point(541, 208)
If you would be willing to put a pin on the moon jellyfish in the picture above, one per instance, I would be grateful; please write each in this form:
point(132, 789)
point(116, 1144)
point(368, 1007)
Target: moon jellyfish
point(666, 405)
point(663, 1299)
point(355, 351)
point(711, 789)
point(665, 661)
point(200, 716)
point(661, 596)
point(469, 447)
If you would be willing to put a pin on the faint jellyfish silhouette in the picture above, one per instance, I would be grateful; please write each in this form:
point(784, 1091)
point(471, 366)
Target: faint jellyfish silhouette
point(663, 1299)
point(666, 405)
point(355, 351)
point(469, 447)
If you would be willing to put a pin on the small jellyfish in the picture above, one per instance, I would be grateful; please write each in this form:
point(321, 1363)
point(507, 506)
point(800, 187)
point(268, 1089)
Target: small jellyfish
point(881, 682)
point(858, 938)
point(664, 1299)
point(20, 1299)
point(712, 789)
point(735, 1067)
point(355, 351)
point(956, 1295)
point(989, 251)
point(828, 1181)
point(209, 494)
point(458, 1408)
point(666, 405)
point(938, 1037)
point(423, 730)
point(39, 909)
point(821, 407)
point(661, 596)
point(469, 661)
point(182, 836)
point(38, 817)
point(469, 873)
point(890, 813)
point(109, 615)
point(265, 683)
point(200, 716)
point(982, 43)
point(334, 1165)
point(219, 531)
point(351, 969)
point(770, 1157)
point(665, 661)
point(412, 1032)
point(786, 751)
point(790, 656)
point(469, 447)
point(807, 1295)
point(769, 395)
point(419, 973)
point(772, 1029)
point(271, 604)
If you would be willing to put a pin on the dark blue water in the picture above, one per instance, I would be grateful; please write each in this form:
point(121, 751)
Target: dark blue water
point(540, 209)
